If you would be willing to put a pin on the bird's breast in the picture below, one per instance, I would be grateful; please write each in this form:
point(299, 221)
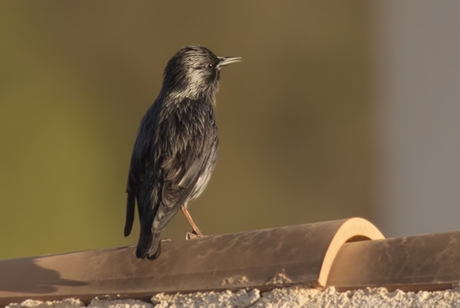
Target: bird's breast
point(187, 125)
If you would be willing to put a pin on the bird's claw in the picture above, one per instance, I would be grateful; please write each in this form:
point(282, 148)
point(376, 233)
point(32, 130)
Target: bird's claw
point(193, 235)
point(165, 240)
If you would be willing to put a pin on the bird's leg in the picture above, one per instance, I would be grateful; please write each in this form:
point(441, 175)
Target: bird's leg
point(190, 221)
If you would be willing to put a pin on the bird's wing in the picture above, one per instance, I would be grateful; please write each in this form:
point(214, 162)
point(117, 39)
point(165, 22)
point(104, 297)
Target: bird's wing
point(140, 160)
point(187, 148)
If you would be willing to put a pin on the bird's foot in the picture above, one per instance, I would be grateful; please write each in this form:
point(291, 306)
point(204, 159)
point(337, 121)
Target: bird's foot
point(165, 240)
point(193, 235)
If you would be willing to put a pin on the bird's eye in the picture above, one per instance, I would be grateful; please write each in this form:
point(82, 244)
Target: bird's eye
point(210, 65)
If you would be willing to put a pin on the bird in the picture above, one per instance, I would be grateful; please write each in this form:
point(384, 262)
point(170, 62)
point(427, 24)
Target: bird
point(176, 146)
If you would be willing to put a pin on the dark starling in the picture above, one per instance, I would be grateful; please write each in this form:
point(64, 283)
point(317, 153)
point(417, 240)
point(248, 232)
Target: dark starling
point(176, 146)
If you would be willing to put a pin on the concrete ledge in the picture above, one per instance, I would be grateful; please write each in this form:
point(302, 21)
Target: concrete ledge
point(295, 296)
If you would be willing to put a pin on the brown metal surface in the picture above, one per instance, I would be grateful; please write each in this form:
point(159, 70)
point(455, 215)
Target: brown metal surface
point(314, 255)
point(425, 262)
point(262, 259)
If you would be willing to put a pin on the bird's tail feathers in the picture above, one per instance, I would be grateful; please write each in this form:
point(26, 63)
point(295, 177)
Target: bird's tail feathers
point(149, 245)
point(129, 213)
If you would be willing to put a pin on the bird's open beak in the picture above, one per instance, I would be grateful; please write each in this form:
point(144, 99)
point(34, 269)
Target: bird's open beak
point(228, 60)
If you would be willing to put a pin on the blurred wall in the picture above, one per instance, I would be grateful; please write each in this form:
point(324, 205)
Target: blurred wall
point(416, 115)
point(77, 76)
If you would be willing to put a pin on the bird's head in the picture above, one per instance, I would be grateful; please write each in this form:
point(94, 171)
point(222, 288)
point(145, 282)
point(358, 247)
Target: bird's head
point(194, 72)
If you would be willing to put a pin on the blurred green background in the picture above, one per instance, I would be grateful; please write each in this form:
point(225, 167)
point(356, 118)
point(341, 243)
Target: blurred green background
point(77, 76)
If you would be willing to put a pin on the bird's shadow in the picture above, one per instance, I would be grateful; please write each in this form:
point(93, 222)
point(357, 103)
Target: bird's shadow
point(26, 277)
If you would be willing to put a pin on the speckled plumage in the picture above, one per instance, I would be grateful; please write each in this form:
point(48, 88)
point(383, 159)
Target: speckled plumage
point(176, 146)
